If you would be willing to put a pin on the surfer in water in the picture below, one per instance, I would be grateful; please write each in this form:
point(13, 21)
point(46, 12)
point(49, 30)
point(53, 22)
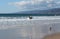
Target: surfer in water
point(30, 17)
point(50, 28)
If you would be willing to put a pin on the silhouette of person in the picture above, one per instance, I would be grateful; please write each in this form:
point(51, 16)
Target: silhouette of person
point(30, 17)
point(50, 28)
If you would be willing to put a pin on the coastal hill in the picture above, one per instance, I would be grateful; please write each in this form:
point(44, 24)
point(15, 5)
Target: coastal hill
point(49, 11)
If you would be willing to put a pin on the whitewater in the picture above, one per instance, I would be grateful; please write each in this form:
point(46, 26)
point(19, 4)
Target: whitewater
point(25, 28)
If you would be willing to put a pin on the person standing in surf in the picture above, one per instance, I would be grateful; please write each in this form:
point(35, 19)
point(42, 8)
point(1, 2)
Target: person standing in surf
point(50, 28)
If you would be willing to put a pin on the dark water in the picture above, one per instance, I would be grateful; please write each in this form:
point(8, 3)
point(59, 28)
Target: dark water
point(5, 15)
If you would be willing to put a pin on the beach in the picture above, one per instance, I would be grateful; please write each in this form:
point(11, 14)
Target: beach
point(53, 36)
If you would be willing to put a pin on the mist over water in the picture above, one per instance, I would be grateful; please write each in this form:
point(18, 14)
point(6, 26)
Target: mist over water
point(24, 28)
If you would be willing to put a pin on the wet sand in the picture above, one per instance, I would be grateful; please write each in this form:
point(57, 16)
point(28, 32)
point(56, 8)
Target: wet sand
point(53, 36)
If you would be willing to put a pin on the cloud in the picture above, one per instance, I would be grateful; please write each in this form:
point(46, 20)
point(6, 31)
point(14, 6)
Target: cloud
point(58, 2)
point(34, 4)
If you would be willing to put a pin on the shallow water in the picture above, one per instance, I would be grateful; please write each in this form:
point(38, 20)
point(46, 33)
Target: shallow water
point(24, 28)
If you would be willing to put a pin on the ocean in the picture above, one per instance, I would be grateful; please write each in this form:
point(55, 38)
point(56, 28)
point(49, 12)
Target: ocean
point(21, 27)
point(17, 15)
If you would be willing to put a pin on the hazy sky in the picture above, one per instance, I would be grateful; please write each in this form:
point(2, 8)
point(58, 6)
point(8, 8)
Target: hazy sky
point(19, 5)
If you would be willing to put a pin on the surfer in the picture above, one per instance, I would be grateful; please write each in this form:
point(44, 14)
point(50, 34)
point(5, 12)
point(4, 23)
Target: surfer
point(30, 17)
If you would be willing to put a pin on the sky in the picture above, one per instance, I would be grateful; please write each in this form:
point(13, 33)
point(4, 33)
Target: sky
point(10, 6)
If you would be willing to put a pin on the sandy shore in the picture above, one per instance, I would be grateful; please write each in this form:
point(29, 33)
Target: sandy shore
point(53, 36)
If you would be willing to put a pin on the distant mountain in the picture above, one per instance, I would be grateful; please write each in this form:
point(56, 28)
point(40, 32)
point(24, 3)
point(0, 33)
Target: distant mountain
point(49, 11)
